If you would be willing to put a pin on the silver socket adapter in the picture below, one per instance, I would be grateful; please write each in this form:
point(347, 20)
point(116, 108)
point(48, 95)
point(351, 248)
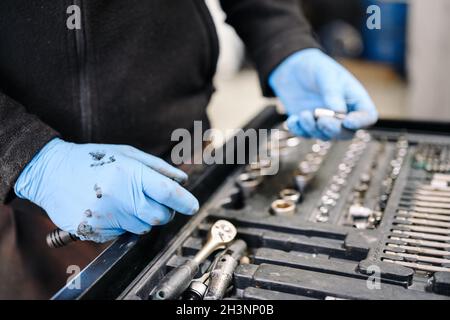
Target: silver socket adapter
point(322, 112)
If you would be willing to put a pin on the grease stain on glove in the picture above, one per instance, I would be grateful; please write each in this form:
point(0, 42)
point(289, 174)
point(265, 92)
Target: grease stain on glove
point(99, 191)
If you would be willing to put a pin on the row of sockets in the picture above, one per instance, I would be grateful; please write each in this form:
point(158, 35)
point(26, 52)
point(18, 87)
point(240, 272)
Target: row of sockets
point(306, 170)
point(432, 157)
point(286, 204)
point(361, 216)
point(332, 193)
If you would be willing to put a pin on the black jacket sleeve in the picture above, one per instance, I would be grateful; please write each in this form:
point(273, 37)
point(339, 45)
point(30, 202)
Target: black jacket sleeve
point(22, 135)
point(271, 29)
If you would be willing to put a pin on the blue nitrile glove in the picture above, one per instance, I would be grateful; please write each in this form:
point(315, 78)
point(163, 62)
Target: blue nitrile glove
point(99, 191)
point(309, 79)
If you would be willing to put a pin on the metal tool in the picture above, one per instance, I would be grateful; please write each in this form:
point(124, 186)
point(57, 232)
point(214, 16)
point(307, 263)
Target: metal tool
point(430, 187)
point(322, 214)
point(262, 167)
point(358, 211)
point(432, 252)
point(424, 222)
point(421, 235)
point(445, 212)
point(426, 204)
point(422, 243)
point(302, 181)
point(419, 197)
point(361, 214)
point(178, 280)
point(432, 158)
point(308, 167)
point(423, 229)
point(339, 180)
point(222, 273)
point(197, 288)
point(59, 238)
point(441, 176)
point(290, 195)
point(418, 266)
point(283, 207)
point(428, 216)
point(322, 112)
point(424, 192)
point(218, 276)
point(420, 238)
point(416, 257)
point(395, 164)
point(248, 182)
point(283, 142)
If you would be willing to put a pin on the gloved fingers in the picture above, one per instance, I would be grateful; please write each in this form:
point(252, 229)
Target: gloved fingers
point(155, 163)
point(134, 224)
point(359, 119)
point(167, 192)
point(331, 89)
point(293, 124)
point(363, 112)
point(309, 126)
point(329, 127)
point(154, 213)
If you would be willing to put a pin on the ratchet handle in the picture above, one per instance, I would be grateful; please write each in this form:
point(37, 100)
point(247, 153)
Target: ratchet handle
point(176, 281)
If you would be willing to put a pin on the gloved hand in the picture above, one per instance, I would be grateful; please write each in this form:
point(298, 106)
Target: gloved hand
point(309, 79)
point(99, 191)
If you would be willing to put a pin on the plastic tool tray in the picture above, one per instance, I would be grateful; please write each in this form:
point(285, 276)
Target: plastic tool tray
point(365, 227)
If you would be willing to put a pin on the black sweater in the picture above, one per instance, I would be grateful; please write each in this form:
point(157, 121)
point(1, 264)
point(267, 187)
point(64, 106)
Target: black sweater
point(134, 72)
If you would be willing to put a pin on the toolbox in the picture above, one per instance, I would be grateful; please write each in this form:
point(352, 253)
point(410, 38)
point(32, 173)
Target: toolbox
point(365, 218)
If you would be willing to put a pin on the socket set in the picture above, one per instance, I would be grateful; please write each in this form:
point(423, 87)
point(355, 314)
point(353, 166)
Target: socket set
point(364, 218)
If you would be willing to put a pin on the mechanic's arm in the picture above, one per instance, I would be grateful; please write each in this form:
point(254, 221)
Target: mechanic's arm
point(95, 191)
point(292, 66)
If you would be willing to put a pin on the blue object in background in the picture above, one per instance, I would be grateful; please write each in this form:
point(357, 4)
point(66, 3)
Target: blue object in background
point(387, 44)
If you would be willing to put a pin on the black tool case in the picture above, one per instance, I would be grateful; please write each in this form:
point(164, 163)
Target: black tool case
point(313, 253)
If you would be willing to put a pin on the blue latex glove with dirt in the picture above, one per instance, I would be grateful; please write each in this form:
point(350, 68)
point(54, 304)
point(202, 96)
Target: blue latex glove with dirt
point(99, 191)
point(310, 79)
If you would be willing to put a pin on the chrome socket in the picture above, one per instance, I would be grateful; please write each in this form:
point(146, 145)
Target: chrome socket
point(322, 112)
point(283, 143)
point(302, 181)
point(262, 167)
point(283, 207)
point(290, 195)
point(248, 183)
